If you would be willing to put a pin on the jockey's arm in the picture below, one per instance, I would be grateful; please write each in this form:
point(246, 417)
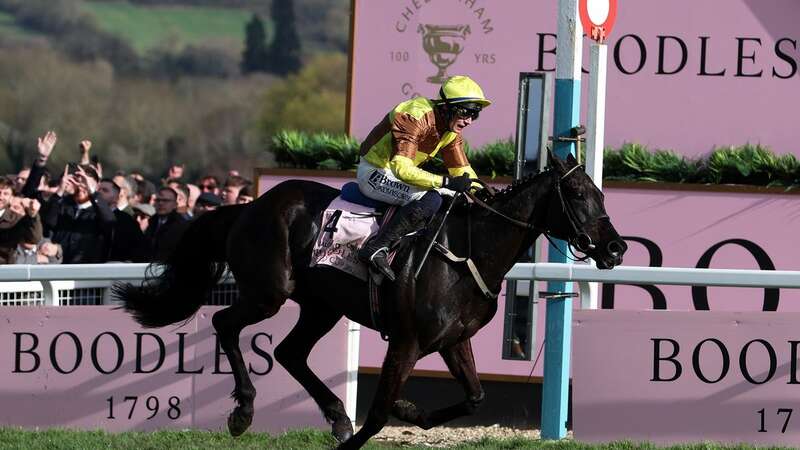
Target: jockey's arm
point(455, 159)
point(404, 169)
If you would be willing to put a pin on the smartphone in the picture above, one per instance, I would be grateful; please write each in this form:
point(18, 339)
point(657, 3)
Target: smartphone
point(95, 160)
point(73, 168)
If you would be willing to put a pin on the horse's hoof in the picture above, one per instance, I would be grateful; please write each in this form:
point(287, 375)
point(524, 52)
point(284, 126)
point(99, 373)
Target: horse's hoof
point(342, 430)
point(239, 422)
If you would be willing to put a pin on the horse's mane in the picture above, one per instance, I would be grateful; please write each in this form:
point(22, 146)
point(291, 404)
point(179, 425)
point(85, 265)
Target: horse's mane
point(510, 190)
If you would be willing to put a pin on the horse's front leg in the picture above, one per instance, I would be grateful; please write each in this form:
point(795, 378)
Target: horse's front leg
point(397, 365)
point(460, 361)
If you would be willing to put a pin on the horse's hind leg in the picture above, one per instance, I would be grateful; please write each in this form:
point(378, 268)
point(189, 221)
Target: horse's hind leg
point(460, 361)
point(229, 323)
point(293, 353)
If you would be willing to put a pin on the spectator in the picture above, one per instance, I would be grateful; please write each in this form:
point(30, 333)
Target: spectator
point(209, 183)
point(194, 193)
point(166, 226)
point(127, 242)
point(43, 252)
point(142, 213)
point(32, 184)
point(175, 172)
point(206, 202)
point(82, 222)
point(245, 195)
point(20, 179)
point(145, 191)
point(125, 194)
point(231, 190)
point(183, 197)
point(18, 223)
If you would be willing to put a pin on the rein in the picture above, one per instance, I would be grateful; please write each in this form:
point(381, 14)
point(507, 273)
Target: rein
point(568, 211)
point(566, 208)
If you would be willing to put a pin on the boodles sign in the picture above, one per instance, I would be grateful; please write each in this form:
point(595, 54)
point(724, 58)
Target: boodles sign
point(675, 376)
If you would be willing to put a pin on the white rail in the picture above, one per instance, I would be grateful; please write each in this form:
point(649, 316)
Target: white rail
point(585, 275)
point(656, 275)
point(79, 284)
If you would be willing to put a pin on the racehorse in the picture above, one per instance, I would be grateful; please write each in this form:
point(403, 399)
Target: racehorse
point(267, 245)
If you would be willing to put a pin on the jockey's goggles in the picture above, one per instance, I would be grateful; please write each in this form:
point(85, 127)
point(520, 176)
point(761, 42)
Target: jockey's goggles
point(467, 111)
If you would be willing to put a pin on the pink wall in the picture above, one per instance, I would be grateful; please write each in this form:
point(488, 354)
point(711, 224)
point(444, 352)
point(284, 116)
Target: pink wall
point(44, 397)
point(685, 225)
point(621, 392)
point(687, 112)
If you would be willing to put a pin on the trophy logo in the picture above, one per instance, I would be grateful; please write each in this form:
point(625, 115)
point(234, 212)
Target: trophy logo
point(443, 44)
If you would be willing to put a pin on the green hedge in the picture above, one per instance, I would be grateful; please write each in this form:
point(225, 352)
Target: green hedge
point(746, 164)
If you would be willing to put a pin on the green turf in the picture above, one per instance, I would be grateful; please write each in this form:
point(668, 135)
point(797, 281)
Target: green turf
point(12, 438)
point(146, 26)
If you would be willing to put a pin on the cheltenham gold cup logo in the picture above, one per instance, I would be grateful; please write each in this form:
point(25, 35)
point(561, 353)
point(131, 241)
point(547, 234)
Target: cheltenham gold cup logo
point(443, 44)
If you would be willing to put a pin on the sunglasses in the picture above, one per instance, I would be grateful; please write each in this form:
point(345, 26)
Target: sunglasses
point(466, 113)
point(209, 187)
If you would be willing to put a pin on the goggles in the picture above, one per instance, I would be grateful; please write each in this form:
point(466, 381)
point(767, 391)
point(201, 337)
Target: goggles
point(466, 111)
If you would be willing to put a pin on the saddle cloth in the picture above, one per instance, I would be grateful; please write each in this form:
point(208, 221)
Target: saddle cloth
point(345, 227)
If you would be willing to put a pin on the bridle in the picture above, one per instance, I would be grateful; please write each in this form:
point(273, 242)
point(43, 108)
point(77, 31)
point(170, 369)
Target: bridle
point(581, 240)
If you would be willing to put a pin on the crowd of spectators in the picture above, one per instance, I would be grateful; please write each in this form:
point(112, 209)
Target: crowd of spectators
point(81, 215)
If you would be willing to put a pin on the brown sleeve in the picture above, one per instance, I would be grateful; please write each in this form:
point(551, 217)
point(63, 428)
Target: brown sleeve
point(453, 154)
point(406, 134)
point(33, 230)
point(375, 135)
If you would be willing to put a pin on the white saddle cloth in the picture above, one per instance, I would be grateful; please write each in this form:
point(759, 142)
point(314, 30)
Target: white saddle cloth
point(345, 227)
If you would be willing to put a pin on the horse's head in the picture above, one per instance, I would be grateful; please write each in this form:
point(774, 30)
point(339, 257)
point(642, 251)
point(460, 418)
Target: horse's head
point(576, 214)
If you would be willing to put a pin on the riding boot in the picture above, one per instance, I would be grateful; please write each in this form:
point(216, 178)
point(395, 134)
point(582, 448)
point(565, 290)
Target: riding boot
point(406, 219)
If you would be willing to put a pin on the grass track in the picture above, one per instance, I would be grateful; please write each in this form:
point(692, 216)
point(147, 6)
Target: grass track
point(145, 26)
point(11, 438)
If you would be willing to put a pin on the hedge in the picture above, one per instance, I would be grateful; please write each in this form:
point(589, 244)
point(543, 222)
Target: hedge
point(747, 164)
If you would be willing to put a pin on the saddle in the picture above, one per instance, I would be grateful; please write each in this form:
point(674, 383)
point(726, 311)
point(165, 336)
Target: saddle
point(347, 223)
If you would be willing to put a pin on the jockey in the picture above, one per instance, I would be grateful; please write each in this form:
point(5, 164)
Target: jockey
point(410, 134)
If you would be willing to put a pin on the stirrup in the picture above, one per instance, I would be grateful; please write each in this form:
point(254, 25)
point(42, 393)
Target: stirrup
point(379, 260)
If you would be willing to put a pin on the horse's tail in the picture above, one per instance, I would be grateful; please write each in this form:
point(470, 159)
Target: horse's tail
point(190, 272)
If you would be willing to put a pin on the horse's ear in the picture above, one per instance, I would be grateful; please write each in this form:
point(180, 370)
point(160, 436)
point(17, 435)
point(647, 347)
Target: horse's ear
point(571, 161)
point(555, 162)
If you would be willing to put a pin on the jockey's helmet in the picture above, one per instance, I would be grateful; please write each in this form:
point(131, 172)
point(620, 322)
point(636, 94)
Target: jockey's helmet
point(462, 89)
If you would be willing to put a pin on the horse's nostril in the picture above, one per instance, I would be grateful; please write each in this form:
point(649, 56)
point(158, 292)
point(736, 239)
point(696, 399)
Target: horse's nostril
point(615, 247)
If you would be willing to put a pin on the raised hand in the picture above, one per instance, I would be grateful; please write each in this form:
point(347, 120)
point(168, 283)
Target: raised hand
point(84, 147)
point(45, 145)
point(98, 168)
point(66, 182)
point(31, 206)
point(16, 205)
point(83, 180)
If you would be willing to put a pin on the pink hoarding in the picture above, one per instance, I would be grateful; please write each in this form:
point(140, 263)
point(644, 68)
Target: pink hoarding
point(676, 377)
point(724, 230)
point(93, 367)
point(684, 75)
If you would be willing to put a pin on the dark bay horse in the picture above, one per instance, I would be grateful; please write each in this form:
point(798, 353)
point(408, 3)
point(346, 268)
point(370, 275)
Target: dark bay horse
point(267, 245)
